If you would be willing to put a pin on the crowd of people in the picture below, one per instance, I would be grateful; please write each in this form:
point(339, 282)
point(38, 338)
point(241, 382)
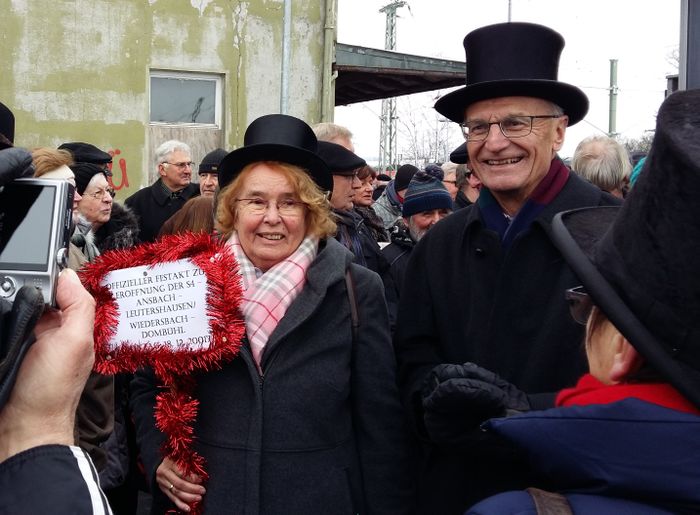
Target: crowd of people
point(499, 333)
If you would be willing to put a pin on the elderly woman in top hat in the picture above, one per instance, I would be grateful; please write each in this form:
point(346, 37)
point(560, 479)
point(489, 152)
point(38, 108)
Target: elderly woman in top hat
point(307, 418)
point(625, 439)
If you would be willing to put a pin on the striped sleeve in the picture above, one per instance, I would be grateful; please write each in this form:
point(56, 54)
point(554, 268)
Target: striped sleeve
point(51, 479)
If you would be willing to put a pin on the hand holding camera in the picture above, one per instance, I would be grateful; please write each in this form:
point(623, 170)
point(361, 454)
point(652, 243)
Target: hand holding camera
point(41, 407)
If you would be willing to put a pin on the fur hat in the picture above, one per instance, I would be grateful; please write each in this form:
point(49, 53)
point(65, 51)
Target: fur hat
point(339, 159)
point(86, 153)
point(638, 262)
point(210, 163)
point(426, 192)
point(7, 125)
point(513, 59)
point(277, 137)
point(84, 172)
point(403, 176)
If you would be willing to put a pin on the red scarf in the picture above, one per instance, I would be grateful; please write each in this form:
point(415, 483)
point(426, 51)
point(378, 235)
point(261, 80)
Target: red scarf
point(589, 390)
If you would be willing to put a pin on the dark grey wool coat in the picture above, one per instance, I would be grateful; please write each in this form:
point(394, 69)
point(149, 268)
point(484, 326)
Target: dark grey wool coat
point(321, 432)
point(465, 299)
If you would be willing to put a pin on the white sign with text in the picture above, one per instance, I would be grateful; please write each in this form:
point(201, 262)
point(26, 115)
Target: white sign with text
point(161, 304)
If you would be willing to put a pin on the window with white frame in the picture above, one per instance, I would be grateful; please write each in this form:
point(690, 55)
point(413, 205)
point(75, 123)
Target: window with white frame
point(181, 98)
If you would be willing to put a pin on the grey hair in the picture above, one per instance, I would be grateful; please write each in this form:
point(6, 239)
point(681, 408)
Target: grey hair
point(165, 149)
point(327, 131)
point(602, 161)
point(448, 167)
point(461, 176)
point(556, 109)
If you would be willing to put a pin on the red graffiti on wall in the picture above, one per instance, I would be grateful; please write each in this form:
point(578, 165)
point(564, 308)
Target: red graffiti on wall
point(124, 183)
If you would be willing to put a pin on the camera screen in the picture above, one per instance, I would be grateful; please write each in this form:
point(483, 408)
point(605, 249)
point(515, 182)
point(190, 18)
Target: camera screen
point(26, 213)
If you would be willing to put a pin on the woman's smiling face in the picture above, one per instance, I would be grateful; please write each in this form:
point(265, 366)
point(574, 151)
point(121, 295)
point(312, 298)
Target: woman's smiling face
point(268, 238)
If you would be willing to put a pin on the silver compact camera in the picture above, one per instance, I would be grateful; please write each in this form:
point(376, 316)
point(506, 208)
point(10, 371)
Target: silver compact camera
point(35, 229)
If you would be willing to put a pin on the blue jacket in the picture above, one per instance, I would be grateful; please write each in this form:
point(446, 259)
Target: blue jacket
point(626, 457)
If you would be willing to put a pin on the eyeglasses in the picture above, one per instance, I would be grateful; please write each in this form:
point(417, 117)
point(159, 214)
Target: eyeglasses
point(259, 206)
point(182, 165)
point(580, 304)
point(511, 126)
point(99, 194)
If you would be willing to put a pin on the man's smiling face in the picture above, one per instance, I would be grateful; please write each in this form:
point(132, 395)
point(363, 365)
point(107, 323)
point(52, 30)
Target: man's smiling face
point(512, 168)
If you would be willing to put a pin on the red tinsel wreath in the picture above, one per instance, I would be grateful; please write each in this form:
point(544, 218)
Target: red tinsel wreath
point(176, 408)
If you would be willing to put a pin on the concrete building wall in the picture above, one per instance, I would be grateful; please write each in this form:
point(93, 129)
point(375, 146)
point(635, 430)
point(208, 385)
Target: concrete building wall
point(79, 70)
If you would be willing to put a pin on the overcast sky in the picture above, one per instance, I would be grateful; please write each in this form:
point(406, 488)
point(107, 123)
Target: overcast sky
point(641, 35)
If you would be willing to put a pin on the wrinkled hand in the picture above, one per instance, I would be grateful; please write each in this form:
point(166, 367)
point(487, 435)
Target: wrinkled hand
point(457, 399)
point(41, 405)
point(182, 490)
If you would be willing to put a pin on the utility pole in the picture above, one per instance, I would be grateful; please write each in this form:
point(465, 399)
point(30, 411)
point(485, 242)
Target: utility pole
point(612, 115)
point(387, 131)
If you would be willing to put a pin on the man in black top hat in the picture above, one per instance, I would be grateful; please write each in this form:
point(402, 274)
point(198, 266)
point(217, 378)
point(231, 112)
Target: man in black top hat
point(485, 284)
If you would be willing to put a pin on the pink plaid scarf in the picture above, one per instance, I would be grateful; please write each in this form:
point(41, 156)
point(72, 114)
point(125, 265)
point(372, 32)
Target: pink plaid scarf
point(266, 298)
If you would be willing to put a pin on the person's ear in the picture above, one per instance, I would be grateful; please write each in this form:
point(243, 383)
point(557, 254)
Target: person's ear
point(559, 132)
point(626, 360)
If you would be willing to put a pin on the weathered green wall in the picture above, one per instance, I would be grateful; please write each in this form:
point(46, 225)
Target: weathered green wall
point(78, 70)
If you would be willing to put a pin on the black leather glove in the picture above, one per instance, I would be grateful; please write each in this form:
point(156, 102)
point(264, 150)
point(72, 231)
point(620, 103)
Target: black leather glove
point(14, 164)
point(17, 321)
point(457, 399)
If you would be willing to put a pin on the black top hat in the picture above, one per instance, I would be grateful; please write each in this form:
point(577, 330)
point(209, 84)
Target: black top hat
point(86, 153)
point(210, 162)
point(339, 159)
point(514, 59)
point(460, 155)
point(638, 262)
point(7, 123)
point(277, 137)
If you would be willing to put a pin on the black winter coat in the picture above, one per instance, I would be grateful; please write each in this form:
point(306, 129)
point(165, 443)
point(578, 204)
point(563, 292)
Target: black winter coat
point(153, 207)
point(464, 299)
point(321, 431)
point(396, 255)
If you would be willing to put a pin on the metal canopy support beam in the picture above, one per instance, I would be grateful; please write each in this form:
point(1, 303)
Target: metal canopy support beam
point(387, 130)
point(689, 72)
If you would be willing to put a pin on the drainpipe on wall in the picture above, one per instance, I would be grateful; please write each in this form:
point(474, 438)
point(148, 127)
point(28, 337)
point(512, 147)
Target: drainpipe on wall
point(286, 52)
point(328, 86)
